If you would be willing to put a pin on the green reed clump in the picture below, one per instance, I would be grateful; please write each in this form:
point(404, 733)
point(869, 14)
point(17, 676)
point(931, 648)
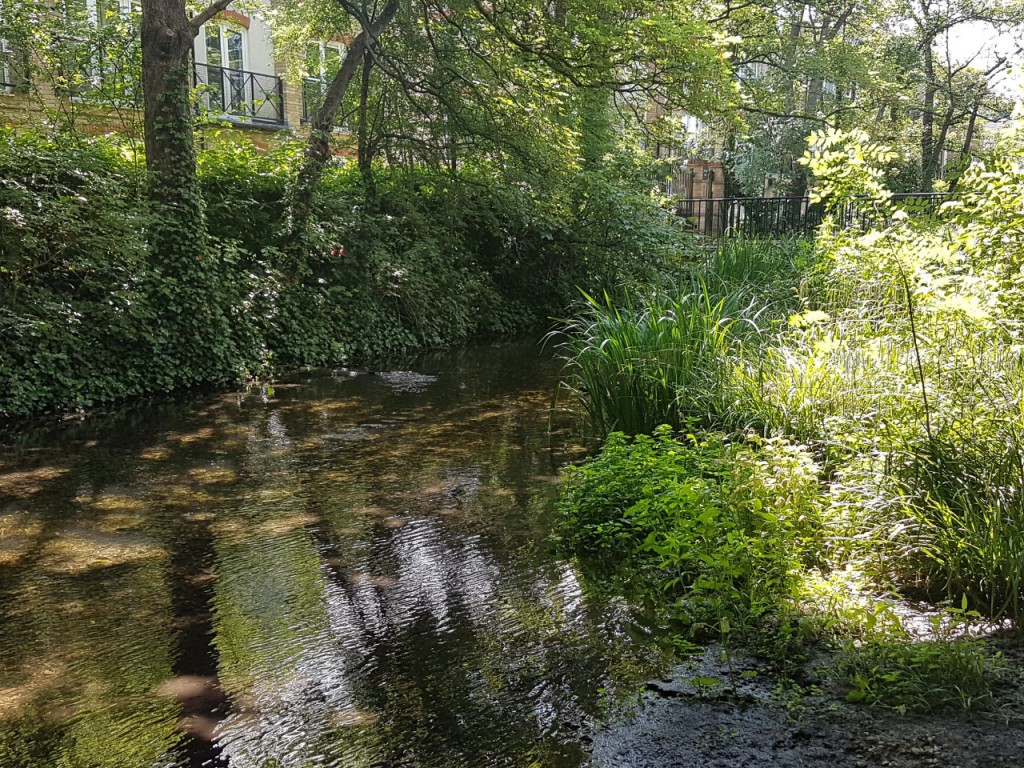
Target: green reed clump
point(662, 361)
point(966, 502)
point(765, 263)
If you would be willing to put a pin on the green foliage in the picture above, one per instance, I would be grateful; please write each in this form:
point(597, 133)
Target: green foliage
point(88, 316)
point(669, 360)
point(921, 676)
point(458, 77)
point(900, 373)
point(847, 168)
point(723, 528)
point(663, 363)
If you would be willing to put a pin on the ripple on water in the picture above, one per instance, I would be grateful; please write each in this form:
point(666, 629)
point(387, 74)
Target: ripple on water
point(354, 575)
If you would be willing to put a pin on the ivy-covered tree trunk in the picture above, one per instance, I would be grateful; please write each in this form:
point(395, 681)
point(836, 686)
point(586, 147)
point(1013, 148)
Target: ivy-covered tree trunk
point(191, 332)
point(178, 231)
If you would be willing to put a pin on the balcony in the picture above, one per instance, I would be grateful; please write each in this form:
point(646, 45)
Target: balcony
point(239, 96)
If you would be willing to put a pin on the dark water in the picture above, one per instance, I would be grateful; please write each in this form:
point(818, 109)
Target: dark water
point(340, 572)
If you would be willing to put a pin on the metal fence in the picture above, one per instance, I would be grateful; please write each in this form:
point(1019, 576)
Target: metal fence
point(237, 93)
point(771, 216)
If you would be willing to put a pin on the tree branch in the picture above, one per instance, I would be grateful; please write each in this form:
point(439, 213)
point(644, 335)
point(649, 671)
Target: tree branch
point(208, 13)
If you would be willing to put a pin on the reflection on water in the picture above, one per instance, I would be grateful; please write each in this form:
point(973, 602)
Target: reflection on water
point(343, 570)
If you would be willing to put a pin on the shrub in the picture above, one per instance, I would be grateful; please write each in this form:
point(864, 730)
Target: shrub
point(429, 260)
point(724, 527)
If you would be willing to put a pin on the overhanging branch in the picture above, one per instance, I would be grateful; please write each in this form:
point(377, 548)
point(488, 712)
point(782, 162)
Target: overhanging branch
point(208, 13)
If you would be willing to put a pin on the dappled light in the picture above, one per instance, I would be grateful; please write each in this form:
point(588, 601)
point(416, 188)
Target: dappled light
point(330, 578)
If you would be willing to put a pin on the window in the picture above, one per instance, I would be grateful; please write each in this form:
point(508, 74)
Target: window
point(100, 12)
point(7, 75)
point(224, 46)
point(102, 53)
point(323, 60)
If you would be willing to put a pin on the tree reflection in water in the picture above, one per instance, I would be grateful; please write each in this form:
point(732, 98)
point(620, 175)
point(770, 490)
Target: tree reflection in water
point(336, 572)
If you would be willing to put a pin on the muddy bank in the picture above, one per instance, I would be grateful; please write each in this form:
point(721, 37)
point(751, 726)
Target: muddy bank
point(687, 721)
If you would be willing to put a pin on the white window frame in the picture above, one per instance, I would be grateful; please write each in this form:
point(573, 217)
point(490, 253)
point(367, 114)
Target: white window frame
point(93, 70)
point(324, 45)
point(125, 7)
point(322, 76)
point(6, 79)
point(222, 26)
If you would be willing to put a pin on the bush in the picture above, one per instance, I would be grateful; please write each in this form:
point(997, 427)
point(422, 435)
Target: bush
point(722, 527)
point(426, 261)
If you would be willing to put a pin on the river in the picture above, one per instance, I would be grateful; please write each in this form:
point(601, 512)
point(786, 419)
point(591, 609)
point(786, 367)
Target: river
point(338, 570)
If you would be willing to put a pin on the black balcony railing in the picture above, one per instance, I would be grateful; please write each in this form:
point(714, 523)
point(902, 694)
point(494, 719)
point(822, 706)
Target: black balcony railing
point(240, 95)
point(771, 216)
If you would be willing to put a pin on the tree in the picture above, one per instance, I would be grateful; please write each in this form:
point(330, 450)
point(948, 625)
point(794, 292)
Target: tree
point(934, 21)
point(318, 151)
point(521, 82)
point(168, 35)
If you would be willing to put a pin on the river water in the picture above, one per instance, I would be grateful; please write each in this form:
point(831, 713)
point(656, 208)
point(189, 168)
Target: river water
point(343, 570)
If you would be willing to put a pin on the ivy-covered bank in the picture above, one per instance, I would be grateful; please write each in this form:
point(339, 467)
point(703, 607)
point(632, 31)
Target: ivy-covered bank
point(417, 259)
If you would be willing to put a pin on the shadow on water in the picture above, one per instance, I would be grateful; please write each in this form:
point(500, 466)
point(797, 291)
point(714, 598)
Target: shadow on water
point(346, 570)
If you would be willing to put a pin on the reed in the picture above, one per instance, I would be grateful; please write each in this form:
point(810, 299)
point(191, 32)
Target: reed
point(664, 360)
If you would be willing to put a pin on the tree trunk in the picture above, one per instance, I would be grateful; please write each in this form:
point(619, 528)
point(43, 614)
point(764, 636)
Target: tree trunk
point(965, 154)
point(167, 33)
point(814, 89)
point(365, 150)
point(178, 231)
point(191, 319)
point(794, 37)
point(318, 151)
point(928, 120)
point(940, 142)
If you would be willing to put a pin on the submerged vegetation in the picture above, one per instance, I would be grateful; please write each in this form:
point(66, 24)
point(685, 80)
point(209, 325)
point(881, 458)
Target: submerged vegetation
point(842, 428)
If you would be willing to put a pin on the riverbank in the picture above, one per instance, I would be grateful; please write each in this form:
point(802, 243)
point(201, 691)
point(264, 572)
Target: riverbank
point(89, 316)
point(752, 722)
point(801, 438)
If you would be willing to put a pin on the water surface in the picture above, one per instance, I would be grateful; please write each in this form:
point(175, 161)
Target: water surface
point(346, 570)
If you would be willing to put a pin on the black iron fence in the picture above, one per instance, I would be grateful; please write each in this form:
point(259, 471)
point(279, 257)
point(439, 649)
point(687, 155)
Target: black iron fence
point(237, 93)
point(770, 216)
point(914, 203)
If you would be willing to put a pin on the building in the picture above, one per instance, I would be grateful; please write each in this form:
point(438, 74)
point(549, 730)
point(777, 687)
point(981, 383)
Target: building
point(239, 82)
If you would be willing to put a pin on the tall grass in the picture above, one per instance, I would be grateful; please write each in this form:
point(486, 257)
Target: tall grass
point(970, 516)
point(664, 361)
point(761, 263)
point(907, 381)
point(667, 358)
